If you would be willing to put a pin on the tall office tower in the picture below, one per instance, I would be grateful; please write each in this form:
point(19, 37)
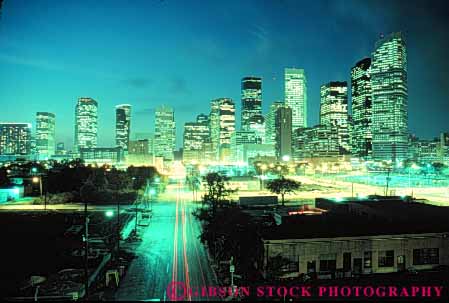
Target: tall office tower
point(86, 123)
point(164, 133)
point(361, 108)
point(270, 129)
point(283, 125)
point(196, 134)
point(15, 139)
point(251, 100)
point(222, 125)
point(122, 125)
point(334, 111)
point(296, 96)
point(389, 90)
point(45, 134)
point(257, 125)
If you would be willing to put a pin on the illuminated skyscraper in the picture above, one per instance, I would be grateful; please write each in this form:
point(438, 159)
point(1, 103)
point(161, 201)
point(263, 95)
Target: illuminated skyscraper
point(334, 111)
point(222, 125)
point(257, 124)
point(15, 139)
point(251, 100)
point(270, 129)
point(122, 125)
point(164, 133)
point(45, 134)
point(361, 108)
point(86, 123)
point(196, 134)
point(296, 96)
point(238, 141)
point(320, 141)
point(389, 91)
point(283, 125)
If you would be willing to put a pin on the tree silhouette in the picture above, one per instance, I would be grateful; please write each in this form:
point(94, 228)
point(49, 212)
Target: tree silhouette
point(283, 186)
point(217, 190)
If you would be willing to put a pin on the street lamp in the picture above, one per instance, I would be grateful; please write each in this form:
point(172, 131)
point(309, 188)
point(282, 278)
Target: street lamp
point(39, 180)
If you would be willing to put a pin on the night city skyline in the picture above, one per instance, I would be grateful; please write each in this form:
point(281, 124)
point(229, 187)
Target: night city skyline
point(191, 150)
point(110, 52)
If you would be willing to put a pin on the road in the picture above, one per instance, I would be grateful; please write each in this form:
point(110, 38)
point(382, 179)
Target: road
point(170, 251)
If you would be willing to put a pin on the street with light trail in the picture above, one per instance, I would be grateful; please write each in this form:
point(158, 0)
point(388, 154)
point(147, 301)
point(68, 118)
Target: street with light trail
point(170, 251)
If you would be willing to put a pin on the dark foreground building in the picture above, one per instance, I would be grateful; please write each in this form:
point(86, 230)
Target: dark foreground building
point(357, 237)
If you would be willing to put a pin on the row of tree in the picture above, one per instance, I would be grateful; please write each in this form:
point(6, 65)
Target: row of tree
point(230, 232)
point(75, 181)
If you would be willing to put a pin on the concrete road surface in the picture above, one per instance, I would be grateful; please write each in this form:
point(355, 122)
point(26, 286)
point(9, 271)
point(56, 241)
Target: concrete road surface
point(170, 251)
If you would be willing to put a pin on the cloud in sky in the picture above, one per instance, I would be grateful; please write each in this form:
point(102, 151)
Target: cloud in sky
point(138, 82)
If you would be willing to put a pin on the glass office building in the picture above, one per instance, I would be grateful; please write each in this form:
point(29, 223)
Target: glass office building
point(296, 96)
point(251, 100)
point(361, 108)
point(45, 134)
point(86, 123)
point(122, 125)
point(390, 98)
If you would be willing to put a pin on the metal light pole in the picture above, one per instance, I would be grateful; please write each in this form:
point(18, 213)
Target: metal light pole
point(36, 180)
point(232, 270)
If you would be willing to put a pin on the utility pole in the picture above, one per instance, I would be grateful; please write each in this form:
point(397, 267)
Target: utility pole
point(45, 194)
point(118, 232)
point(232, 270)
point(135, 228)
point(86, 252)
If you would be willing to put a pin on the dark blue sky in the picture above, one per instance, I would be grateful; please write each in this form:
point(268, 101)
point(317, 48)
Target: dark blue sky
point(185, 53)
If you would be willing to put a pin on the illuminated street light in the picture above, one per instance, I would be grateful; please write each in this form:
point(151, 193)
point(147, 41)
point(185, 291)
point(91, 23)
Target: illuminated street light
point(286, 158)
point(109, 213)
point(35, 179)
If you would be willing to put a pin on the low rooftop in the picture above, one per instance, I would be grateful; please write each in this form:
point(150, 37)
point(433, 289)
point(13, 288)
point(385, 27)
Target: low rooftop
point(363, 217)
